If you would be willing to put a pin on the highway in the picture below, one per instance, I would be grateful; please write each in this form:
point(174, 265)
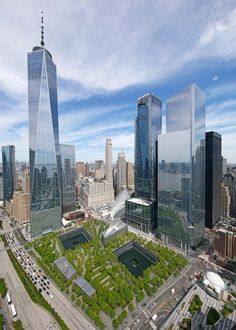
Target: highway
point(68, 312)
point(26, 308)
point(31, 315)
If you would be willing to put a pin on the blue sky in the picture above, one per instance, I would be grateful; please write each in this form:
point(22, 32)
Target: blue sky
point(108, 53)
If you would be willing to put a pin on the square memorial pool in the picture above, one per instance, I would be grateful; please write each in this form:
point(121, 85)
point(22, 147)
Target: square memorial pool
point(75, 237)
point(135, 257)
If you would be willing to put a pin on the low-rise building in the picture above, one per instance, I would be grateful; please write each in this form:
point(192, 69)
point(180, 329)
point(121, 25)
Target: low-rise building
point(138, 214)
point(214, 285)
point(65, 267)
point(117, 228)
point(84, 285)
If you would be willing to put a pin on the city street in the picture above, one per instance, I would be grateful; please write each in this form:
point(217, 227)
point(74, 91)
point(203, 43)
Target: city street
point(182, 311)
point(68, 312)
point(31, 315)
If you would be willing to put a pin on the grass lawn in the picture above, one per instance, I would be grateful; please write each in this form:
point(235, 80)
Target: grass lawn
point(212, 316)
point(196, 304)
point(186, 324)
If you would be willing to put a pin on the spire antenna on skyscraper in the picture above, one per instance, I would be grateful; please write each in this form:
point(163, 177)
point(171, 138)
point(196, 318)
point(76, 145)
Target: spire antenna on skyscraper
point(42, 30)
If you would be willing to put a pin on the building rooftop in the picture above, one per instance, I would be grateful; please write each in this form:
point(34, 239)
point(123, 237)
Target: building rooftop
point(114, 228)
point(84, 286)
point(140, 201)
point(65, 267)
point(215, 281)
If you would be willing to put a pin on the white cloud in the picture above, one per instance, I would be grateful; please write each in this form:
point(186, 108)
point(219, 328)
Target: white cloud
point(107, 46)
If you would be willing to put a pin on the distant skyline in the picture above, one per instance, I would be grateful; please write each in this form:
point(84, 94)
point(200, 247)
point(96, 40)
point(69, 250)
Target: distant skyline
point(108, 54)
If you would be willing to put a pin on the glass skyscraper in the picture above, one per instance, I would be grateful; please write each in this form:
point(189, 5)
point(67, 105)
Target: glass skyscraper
point(181, 170)
point(44, 151)
point(9, 171)
point(68, 177)
point(148, 127)
point(214, 172)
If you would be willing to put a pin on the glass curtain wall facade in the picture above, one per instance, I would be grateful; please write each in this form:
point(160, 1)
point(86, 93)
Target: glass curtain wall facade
point(148, 127)
point(44, 152)
point(214, 172)
point(181, 170)
point(9, 171)
point(138, 214)
point(68, 177)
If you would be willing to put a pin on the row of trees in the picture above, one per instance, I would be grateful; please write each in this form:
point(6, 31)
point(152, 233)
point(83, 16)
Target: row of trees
point(115, 286)
point(3, 287)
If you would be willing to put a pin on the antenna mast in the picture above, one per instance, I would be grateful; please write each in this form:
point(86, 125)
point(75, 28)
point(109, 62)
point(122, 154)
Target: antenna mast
point(42, 30)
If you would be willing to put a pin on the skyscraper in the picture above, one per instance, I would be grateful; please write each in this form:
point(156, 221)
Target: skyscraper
point(181, 170)
point(80, 170)
point(68, 177)
point(213, 179)
point(230, 182)
point(108, 160)
point(9, 171)
point(121, 172)
point(141, 212)
point(44, 155)
point(148, 127)
point(130, 177)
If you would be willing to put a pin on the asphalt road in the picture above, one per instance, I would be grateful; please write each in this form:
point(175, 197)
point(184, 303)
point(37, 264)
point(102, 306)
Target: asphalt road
point(68, 312)
point(31, 315)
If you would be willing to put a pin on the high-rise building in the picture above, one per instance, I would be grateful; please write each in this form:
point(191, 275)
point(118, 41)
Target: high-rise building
point(21, 206)
point(181, 170)
point(96, 193)
point(121, 172)
point(108, 160)
point(230, 182)
point(9, 171)
point(99, 170)
point(225, 201)
point(27, 181)
point(147, 128)
point(130, 177)
point(213, 179)
point(68, 177)
point(99, 164)
point(80, 170)
point(225, 243)
point(87, 169)
point(1, 185)
point(224, 165)
point(44, 154)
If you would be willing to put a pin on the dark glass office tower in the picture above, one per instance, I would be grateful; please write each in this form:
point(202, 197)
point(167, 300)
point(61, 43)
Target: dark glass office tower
point(44, 151)
point(181, 170)
point(148, 127)
point(68, 177)
point(213, 179)
point(9, 171)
